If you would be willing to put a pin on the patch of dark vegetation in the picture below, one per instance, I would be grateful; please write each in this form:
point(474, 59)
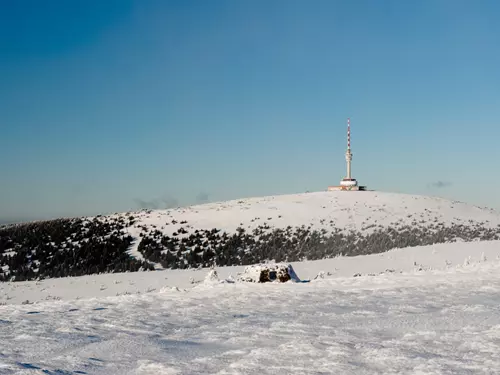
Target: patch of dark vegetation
point(204, 248)
point(66, 247)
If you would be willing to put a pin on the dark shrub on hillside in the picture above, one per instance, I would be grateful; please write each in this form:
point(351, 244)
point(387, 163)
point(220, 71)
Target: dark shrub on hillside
point(205, 248)
point(65, 247)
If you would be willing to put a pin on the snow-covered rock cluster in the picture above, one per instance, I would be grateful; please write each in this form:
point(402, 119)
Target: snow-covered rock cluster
point(263, 273)
point(259, 273)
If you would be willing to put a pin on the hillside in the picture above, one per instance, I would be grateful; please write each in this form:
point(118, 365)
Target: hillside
point(282, 228)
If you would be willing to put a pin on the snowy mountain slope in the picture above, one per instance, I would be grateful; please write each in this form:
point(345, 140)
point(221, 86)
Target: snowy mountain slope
point(442, 321)
point(304, 226)
point(361, 211)
point(246, 231)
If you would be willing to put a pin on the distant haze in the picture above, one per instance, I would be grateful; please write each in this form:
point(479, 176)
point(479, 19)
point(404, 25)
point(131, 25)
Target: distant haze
point(13, 221)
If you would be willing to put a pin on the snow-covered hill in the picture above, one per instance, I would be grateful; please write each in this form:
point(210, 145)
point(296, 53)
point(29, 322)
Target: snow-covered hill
point(357, 211)
point(303, 226)
point(246, 231)
point(443, 320)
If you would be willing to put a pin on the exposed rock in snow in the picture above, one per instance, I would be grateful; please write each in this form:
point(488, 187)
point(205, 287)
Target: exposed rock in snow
point(262, 273)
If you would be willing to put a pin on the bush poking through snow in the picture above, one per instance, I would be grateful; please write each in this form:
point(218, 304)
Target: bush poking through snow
point(320, 275)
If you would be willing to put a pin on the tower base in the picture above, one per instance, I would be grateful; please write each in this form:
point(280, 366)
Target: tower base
point(347, 184)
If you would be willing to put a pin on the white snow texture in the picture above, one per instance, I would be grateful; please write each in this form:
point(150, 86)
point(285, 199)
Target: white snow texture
point(422, 310)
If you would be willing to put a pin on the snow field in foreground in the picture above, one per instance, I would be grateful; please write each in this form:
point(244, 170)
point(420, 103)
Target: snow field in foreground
point(441, 322)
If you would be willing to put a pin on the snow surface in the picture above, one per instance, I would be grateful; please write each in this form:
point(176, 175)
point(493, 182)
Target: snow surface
point(408, 260)
point(444, 320)
point(422, 310)
point(362, 211)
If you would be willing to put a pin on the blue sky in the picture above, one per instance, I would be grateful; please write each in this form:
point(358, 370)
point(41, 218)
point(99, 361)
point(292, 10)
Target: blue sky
point(109, 105)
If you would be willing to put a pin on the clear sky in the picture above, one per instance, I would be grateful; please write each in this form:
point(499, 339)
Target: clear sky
point(111, 105)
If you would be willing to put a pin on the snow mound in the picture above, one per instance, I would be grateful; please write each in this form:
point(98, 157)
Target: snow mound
point(263, 273)
point(212, 277)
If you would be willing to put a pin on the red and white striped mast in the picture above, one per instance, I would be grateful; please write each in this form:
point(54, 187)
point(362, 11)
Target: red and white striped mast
point(348, 154)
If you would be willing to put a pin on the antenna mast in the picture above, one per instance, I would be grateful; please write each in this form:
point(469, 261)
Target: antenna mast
point(348, 183)
point(348, 154)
